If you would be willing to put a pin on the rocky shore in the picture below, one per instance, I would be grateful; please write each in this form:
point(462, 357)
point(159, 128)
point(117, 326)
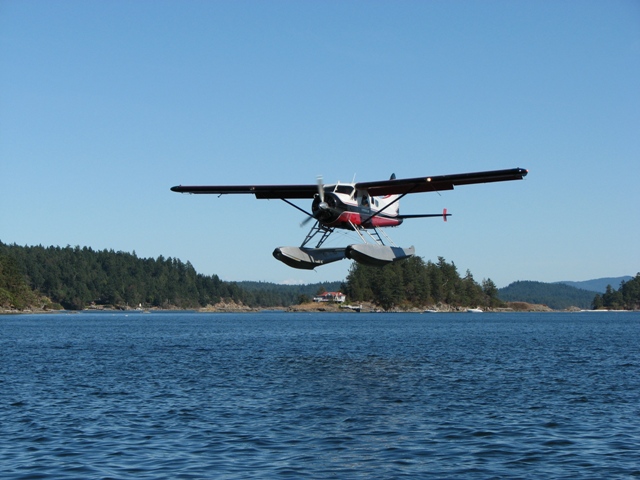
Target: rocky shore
point(233, 307)
point(370, 307)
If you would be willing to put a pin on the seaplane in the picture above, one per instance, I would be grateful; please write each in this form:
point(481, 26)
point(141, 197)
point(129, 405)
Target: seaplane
point(363, 207)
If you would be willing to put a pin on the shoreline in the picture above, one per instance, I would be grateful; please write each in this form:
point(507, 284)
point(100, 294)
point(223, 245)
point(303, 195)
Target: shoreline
point(314, 307)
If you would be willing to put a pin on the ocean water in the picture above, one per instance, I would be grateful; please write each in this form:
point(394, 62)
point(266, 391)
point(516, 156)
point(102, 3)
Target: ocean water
point(192, 395)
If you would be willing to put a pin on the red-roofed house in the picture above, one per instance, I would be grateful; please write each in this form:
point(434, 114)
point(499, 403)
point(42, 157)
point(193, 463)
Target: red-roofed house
point(336, 297)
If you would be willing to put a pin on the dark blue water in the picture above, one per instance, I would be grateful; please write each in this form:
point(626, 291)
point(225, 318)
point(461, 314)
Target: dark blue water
point(179, 395)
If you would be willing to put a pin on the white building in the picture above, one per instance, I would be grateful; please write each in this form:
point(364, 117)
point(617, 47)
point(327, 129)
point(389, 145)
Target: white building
point(336, 297)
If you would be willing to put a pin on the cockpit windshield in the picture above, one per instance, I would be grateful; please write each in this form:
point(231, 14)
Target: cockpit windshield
point(346, 189)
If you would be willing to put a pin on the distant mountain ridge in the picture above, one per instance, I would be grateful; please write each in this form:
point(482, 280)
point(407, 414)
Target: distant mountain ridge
point(555, 295)
point(598, 285)
point(559, 295)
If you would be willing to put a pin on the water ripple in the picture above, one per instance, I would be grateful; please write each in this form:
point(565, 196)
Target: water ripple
point(319, 396)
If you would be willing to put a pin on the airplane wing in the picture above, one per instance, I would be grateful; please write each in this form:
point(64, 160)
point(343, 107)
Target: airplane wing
point(376, 189)
point(260, 191)
point(435, 184)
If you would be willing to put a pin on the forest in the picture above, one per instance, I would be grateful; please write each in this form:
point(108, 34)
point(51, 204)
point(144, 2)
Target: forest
point(14, 290)
point(554, 295)
point(74, 278)
point(273, 294)
point(77, 277)
point(627, 297)
point(416, 283)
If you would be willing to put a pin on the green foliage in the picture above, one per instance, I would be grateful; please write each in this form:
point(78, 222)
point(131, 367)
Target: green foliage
point(266, 294)
point(598, 285)
point(302, 299)
point(414, 283)
point(77, 277)
point(555, 295)
point(627, 297)
point(14, 291)
point(491, 292)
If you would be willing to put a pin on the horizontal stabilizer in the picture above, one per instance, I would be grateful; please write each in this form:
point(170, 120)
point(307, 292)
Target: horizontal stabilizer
point(444, 215)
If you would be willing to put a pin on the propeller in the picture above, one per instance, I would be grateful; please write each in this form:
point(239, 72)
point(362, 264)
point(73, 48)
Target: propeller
point(322, 205)
point(320, 189)
point(307, 220)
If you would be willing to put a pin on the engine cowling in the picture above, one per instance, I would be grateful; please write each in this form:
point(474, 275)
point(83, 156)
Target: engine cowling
point(326, 211)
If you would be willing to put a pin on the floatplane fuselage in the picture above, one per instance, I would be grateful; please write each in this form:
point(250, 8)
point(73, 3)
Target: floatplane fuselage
point(363, 207)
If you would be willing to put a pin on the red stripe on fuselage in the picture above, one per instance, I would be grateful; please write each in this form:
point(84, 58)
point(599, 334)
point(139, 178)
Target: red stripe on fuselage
point(346, 219)
point(380, 221)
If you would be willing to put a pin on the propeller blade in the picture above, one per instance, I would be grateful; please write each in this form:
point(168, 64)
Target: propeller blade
point(320, 189)
point(323, 206)
point(306, 220)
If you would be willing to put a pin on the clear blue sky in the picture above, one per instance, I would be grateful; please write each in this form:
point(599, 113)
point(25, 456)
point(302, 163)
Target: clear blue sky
point(106, 105)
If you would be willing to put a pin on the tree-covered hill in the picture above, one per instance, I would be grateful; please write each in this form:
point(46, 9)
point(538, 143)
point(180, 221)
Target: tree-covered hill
point(77, 277)
point(555, 295)
point(414, 283)
point(627, 297)
point(598, 285)
point(14, 290)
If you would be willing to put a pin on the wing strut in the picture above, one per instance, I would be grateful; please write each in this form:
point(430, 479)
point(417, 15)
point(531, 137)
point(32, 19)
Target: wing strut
point(296, 206)
point(390, 203)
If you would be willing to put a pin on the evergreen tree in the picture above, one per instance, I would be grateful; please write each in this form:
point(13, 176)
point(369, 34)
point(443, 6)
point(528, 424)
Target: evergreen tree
point(491, 293)
point(597, 302)
point(414, 283)
point(76, 277)
point(626, 297)
point(631, 293)
point(612, 299)
point(14, 291)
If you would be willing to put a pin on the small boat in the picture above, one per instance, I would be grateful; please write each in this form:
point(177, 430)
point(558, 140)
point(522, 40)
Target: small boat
point(474, 310)
point(430, 310)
